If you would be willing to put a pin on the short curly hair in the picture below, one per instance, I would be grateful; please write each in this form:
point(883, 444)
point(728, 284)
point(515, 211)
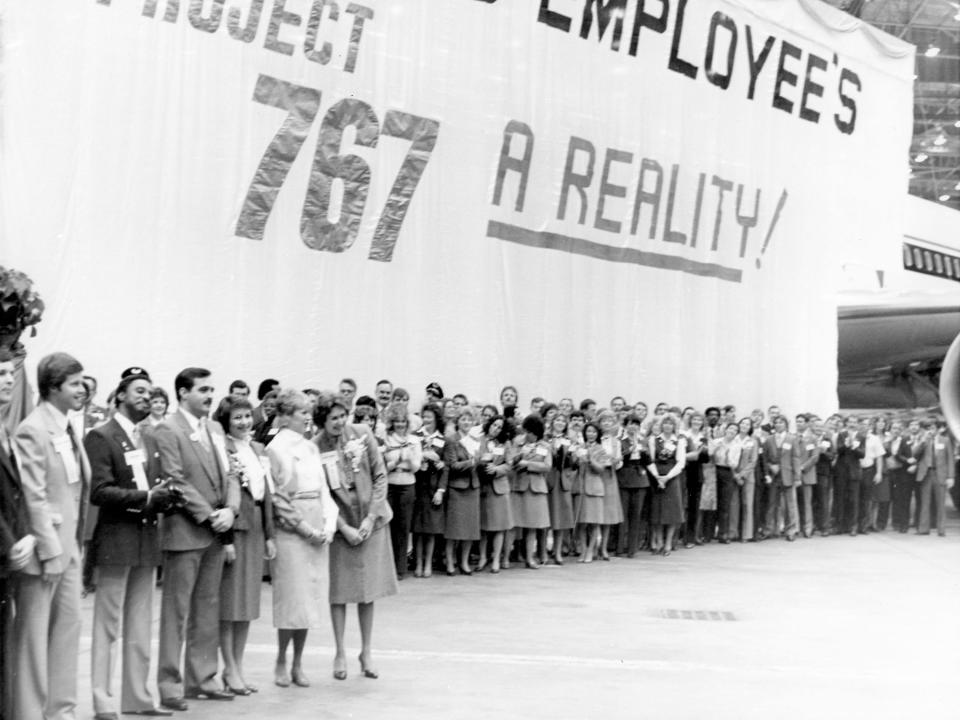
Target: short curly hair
point(326, 402)
point(395, 412)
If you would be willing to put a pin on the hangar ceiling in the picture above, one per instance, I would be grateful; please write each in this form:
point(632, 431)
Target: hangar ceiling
point(934, 27)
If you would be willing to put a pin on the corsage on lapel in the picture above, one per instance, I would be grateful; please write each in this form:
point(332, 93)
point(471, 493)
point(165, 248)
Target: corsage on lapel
point(354, 450)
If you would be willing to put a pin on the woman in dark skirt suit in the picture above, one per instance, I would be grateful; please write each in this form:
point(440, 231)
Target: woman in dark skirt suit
point(361, 556)
point(559, 485)
point(496, 512)
point(253, 535)
point(668, 451)
point(462, 489)
point(532, 461)
point(428, 516)
point(634, 484)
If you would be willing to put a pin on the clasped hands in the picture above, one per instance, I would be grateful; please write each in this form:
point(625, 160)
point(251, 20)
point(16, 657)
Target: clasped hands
point(355, 536)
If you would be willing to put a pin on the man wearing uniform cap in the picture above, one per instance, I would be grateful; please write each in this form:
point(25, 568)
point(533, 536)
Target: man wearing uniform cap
point(125, 474)
point(434, 393)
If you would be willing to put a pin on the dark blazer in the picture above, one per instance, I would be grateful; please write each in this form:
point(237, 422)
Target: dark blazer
point(126, 533)
point(633, 474)
point(429, 474)
point(248, 506)
point(850, 457)
point(564, 466)
point(206, 481)
point(14, 522)
point(827, 456)
point(461, 474)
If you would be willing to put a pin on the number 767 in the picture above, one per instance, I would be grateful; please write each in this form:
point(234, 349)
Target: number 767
point(317, 232)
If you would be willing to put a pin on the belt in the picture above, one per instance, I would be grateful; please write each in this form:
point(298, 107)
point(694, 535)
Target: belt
point(723, 467)
point(306, 495)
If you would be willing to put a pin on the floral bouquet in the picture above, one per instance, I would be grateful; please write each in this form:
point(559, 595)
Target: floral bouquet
point(355, 450)
point(20, 306)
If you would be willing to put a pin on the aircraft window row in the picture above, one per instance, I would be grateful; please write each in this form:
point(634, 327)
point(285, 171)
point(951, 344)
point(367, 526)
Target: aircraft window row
point(931, 262)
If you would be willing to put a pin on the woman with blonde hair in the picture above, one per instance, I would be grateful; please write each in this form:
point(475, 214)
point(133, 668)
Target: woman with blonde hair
point(669, 454)
point(402, 455)
point(306, 519)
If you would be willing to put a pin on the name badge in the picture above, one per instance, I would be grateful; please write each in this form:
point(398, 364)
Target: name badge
point(497, 451)
point(542, 452)
point(329, 462)
point(811, 446)
point(939, 446)
point(65, 449)
point(748, 444)
point(825, 444)
point(787, 446)
point(136, 459)
point(273, 431)
point(438, 443)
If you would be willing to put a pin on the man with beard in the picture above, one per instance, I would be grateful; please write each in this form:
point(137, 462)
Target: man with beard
point(124, 468)
point(195, 461)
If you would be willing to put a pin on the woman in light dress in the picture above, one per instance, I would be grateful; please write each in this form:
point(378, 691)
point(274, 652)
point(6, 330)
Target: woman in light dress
point(306, 520)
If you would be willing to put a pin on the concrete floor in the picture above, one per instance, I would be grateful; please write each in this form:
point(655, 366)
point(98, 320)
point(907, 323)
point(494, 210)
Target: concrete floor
point(837, 627)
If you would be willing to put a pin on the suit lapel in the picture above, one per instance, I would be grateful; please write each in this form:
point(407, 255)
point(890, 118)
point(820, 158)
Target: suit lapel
point(203, 457)
point(122, 445)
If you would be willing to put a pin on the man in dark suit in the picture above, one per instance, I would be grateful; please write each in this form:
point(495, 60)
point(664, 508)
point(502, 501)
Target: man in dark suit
point(54, 474)
point(851, 449)
point(195, 461)
point(124, 465)
point(16, 542)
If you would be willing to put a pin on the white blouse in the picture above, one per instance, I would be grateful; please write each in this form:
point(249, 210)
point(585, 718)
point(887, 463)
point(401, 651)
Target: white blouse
point(254, 469)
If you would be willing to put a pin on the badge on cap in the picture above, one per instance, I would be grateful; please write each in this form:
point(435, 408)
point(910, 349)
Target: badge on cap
point(135, 371)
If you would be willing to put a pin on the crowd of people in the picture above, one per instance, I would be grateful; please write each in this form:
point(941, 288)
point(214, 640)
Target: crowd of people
point(338, 497)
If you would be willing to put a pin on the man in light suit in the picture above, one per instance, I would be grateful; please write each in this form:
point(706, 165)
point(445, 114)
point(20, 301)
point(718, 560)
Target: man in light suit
point(935, 469)
point(809, 456)
point(125, 467)
point(194, 459)
point(781, 453)
point(54, 474)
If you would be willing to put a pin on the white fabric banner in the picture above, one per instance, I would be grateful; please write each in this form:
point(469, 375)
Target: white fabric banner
point(572, 196)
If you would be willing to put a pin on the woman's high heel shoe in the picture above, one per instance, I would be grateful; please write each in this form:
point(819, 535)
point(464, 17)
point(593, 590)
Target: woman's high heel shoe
point(242, 690)
point(339, 669)
point(366, 671)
